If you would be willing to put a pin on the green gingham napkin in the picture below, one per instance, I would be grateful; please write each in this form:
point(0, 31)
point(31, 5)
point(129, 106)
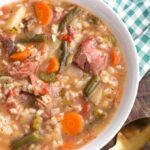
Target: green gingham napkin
point(136, 16)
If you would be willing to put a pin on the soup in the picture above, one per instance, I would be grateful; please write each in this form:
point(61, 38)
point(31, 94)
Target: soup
point(62, 75)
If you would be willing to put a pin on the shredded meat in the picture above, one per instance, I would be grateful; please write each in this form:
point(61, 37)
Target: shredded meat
point(42, 106)
point(42, 88)
point(24, 69)
point(89, 59)
point(39, 87)
point(7, 43)
point(57, 16)
point(11, 102)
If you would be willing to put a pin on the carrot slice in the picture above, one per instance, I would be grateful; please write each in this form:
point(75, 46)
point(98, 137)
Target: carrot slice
point(115, 57)
point(72, 123)
point(53, 65)
point(43, 12)
point(21, 55)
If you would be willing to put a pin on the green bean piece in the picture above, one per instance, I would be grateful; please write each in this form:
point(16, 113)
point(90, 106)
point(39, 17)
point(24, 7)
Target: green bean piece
point(35, 39)
point(26, 140)
point(69, 59)
point(66, 102)
point(110, 38)
point(113, 39)
point(47, 77)
point(106, 39)
point(97, 113)
point(91, 85)
point(69, 17)
point(36, 122)
point(63, 56)
point(62, 92)
point(93, 19)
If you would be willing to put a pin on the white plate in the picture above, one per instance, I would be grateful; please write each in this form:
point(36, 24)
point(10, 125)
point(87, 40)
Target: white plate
point(131, 85)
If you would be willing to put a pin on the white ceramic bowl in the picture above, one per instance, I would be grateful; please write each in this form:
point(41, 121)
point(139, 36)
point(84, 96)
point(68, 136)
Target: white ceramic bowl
point(132, 79)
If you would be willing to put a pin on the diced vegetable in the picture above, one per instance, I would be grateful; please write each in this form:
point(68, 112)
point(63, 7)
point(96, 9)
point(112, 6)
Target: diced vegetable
point(14, 30)
point(93, 19)
point(72, 123)
point(66, 102)
point(68, 38)
point(36, 122)
point(97, 94)
point(64, 55)
point(62, 92)
point(15, 18)
point(69, 17)
point(53, 46)
point(44, 13)
point(53, 66)
point(21, 55)
point(69, 59)
point(97, 113)
point(47, 77)
point(37, 38)
point(106, 39)
point(113, 39)
point(91, 85)
point(27, 140)
point(115, 57)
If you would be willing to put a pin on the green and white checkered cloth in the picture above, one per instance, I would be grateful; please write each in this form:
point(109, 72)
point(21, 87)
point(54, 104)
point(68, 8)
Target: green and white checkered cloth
point(136, 16)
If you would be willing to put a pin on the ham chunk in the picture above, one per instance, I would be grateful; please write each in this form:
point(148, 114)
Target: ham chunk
point(24, 69)
point(89, 59)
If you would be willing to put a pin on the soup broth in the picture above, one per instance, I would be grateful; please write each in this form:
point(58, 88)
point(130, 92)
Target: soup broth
point(62, 75)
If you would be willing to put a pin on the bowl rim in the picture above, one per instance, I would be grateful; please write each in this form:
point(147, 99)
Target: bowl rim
point(96, 144)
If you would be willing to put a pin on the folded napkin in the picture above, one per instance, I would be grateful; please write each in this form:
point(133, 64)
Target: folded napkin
point(136, 16)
